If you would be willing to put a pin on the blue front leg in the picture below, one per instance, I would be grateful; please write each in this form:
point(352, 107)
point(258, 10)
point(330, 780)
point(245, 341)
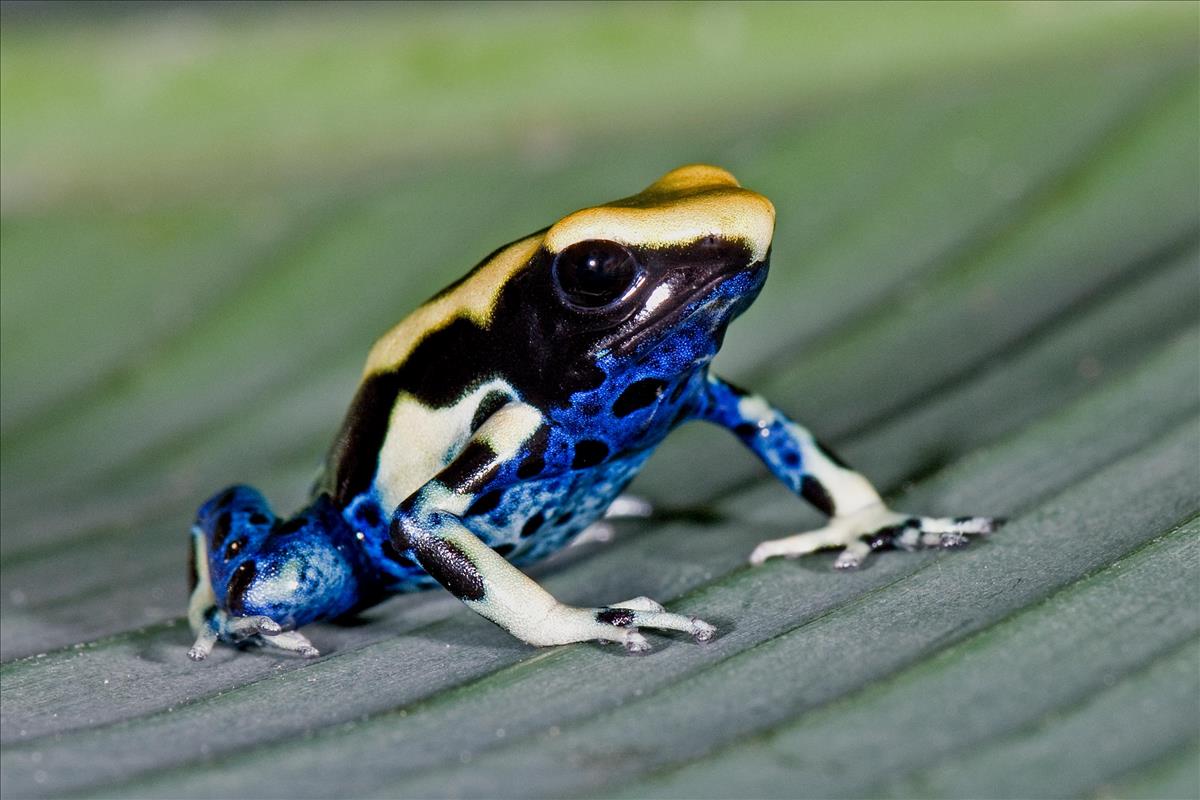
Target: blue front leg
point(859, 520)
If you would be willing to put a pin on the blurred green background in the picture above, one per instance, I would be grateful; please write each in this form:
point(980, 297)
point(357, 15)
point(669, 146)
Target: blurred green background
point(984, 290)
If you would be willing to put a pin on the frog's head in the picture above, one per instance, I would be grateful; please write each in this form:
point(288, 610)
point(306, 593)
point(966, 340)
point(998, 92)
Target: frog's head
point(690, 251)
point(672, 264)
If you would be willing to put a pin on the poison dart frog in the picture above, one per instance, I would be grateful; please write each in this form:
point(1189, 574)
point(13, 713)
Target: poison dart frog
point(506, 414)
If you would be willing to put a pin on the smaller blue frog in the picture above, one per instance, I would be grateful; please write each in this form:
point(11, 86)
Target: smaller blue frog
point(505, 415)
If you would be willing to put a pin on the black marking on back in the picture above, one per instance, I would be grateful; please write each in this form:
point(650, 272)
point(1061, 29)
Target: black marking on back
point(354, 458)
point(812, 491)
point(235, 592)
point(504, 549)
point(451, 567)
point(620, 617)
point(492, 402)
point(589, 453)
point(637, 395)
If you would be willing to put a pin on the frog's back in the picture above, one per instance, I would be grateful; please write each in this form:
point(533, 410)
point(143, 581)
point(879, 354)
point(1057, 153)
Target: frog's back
point(426, 384)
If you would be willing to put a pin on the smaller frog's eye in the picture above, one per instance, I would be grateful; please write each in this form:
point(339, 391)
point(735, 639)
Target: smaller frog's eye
point(595, 274)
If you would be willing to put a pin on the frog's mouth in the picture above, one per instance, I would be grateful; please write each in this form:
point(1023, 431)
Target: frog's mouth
point(706, 310)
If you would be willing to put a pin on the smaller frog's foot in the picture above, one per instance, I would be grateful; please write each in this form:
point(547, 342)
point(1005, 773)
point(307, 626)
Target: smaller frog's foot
point(628, 505)
point(876, 528)
point(642, 612)
point(258, 630)
point(624, 507)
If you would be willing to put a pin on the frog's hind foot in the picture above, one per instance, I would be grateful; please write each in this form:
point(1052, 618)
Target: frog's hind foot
point(642, 612)
point(249, 630)
point(876, 528)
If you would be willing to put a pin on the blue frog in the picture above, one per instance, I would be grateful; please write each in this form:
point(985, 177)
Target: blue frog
point(506, 414)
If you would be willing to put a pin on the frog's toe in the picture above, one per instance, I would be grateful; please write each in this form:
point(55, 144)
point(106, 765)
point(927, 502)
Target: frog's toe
point(642, 603)
point(206, 639)
point(876, 528)
point(252, 625)
point(642, 612)
point(293, 642)
point(636, 643)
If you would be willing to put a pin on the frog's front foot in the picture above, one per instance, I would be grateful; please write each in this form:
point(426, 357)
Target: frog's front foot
point(876, 528)
point(258, 630)
point(619, 622)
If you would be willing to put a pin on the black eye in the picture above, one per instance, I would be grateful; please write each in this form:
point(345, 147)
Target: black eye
point(595, 274)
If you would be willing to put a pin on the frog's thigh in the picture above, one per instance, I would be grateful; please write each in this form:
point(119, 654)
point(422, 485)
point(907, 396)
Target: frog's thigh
point(430, 523)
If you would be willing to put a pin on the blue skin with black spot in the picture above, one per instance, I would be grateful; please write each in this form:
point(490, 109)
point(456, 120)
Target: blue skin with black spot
point(337, 560)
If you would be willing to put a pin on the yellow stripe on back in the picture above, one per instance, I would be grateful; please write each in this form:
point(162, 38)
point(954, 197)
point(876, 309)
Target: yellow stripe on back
point(474, 299)
point(682, 206)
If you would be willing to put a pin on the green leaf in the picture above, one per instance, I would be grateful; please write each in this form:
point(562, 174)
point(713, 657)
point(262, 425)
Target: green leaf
point(983, 293)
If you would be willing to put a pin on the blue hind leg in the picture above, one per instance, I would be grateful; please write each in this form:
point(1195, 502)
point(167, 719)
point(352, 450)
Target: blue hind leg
point(255, 578)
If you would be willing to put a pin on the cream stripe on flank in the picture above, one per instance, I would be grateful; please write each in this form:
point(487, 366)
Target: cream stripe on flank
point(474, 298)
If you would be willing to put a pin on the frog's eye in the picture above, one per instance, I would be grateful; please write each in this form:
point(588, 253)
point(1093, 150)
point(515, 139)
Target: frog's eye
point(595, 274)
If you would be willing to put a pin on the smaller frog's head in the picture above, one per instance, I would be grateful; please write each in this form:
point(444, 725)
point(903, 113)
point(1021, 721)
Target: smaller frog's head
point(687, 254)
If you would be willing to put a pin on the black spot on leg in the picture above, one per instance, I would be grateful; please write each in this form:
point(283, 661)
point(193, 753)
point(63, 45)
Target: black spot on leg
point(589, 453)
point(394, 555)
point(220, 530)
point(451, 567)
point(885, 538)
point(257, 519)
point(504, 549)
point(235, 591)
point(532, 525)
point(791, 459)
point(638, 395)
point(746, 430)
point(812, 491)
point(484, 504)
point(563, 519)
point(492, 402)
point(473, 468)
point(620, 617)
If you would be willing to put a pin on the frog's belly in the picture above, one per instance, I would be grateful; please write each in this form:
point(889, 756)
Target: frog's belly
point(537, 517)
